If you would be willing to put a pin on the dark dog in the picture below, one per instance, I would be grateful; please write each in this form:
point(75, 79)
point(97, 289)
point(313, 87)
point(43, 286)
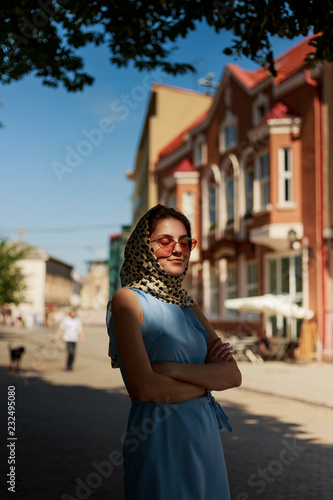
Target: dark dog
point(15, 357)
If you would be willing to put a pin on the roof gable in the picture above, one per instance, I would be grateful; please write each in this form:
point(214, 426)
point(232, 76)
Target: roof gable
point(184, 166)
point(287, 65)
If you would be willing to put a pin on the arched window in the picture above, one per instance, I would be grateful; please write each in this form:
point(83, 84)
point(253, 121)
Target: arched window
point(230, 194)
point(211, 185)
point(212, 202)
point(249, 177)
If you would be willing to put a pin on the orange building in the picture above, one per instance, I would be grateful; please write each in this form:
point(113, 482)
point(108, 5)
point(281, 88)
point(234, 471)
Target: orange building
point(250, 173)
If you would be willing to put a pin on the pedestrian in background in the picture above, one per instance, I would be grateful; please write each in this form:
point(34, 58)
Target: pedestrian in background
point(71, 330)
point(170, 358)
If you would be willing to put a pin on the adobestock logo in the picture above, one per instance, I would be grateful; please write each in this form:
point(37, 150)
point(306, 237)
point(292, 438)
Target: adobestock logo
point(120, 109)
point(275, 468)
point(131, 441)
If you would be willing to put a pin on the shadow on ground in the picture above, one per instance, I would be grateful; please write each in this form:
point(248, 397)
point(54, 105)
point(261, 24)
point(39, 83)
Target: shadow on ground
point(64, 431)
point(61, 432)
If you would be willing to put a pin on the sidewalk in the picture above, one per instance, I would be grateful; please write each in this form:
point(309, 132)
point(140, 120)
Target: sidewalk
point(69, 425)
point(311, 383)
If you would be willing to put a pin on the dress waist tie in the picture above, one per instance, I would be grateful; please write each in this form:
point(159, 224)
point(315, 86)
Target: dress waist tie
point(221, 416)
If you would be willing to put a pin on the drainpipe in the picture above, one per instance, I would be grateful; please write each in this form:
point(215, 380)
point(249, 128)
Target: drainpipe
point(322, 240)
point(319, 115)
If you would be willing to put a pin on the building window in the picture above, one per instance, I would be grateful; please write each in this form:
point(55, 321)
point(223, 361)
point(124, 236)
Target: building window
point(252, 280)
point(228, 132)
point(199, 151)
point(214, 292)
point(285, 275)
point(232, 288)
point(198, 154)
point(212, 205)
point(230, 198)
point(285, 176)
point(173, 201)
point(263, 176)
point(261, 111)
point(248, 192)
point(298, 273)
point(230, 136)
point(188, 206)
point(260, 108)
point(272, 272)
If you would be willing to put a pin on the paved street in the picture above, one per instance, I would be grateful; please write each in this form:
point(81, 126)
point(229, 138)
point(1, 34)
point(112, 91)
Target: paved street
point(69, 425)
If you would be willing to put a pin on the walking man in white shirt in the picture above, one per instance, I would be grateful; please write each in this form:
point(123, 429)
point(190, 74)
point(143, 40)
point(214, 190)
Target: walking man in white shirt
point(71, 330)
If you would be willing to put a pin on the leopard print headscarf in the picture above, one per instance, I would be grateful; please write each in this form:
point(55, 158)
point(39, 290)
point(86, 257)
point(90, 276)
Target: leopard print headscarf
point(142, 270)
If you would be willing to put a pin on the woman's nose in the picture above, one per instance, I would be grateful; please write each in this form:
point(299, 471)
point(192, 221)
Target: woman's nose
point(177, 249)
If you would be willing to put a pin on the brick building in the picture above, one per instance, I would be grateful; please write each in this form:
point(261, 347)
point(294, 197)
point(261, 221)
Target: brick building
point(253, 174)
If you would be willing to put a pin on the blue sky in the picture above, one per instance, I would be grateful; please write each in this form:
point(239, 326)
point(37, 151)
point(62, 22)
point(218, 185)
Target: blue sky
point(70, 212)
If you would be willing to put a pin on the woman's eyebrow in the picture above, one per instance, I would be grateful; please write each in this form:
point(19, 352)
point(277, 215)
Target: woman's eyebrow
point(169, 236)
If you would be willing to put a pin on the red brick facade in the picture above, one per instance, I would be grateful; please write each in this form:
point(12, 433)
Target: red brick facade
point(249, 173)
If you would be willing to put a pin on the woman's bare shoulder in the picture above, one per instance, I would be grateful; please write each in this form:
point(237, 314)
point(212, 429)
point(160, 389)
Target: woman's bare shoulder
point(125, 298)
point(123, 294)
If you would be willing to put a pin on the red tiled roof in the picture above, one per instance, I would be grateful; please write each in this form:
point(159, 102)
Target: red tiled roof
point(184, 166)
point(182, 137)
point(279, 110)
point(286, 66)
point(248, 78)
point(115, 235)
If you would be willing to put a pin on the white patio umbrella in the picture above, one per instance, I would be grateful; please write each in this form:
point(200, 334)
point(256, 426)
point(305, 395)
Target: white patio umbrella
point(271, 305)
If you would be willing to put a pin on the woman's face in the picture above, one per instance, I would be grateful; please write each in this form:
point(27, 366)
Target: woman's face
point(173, 262)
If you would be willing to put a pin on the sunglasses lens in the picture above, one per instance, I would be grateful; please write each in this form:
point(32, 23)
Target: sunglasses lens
point(187, 244)
point(167, 244)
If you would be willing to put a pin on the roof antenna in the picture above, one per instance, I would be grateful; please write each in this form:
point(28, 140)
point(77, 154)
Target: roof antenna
point(208, 83)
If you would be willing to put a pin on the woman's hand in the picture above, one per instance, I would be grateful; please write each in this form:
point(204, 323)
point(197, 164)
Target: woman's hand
point(219, 351)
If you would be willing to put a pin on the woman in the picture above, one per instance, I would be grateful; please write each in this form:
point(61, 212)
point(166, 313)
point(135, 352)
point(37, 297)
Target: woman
point(170, 359)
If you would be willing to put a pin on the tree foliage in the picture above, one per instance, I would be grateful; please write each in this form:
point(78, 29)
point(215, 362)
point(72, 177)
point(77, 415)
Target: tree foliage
point(43, 36)
point(12, 284)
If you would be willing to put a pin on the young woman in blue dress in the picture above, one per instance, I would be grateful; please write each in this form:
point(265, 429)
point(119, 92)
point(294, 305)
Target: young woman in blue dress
point(171, 359)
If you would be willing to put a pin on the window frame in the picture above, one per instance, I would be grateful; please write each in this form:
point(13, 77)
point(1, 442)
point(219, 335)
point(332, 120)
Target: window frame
point(231, 289)
point(230, 120)
point(188, 206)
point(285, 176)
point(261, 100)
point(261, 183)
point(230, 201)
point(214, 291)
point(249, 211)
point(254, 285)
point(200, 144)
point(212, 209)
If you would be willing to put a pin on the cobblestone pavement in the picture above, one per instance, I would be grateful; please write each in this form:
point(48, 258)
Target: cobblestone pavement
point(69, 425)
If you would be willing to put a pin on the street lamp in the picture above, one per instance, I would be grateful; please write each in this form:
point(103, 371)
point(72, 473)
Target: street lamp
point(292, 239)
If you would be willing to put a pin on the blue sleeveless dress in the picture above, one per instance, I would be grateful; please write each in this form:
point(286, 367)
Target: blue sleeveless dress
point(173, 450)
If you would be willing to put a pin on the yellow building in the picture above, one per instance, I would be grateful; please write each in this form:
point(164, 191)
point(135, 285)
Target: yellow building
point(170, 110)
point(49, 287)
